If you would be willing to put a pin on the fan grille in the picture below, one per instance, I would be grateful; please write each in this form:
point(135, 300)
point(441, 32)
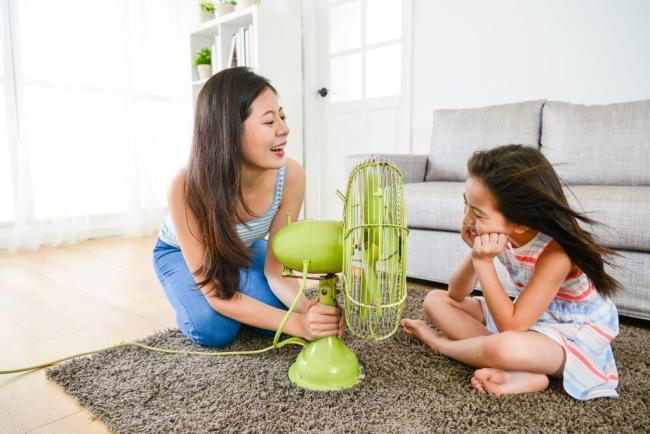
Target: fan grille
point(374, 249)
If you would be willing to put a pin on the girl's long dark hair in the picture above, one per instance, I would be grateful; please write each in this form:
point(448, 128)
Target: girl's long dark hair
point(214, 174)
point(529, 192)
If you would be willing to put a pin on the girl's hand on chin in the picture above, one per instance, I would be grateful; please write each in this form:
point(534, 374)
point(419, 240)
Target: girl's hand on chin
point(487, 246)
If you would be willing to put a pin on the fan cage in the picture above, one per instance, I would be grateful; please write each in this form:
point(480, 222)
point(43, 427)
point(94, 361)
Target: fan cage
point(374, 249)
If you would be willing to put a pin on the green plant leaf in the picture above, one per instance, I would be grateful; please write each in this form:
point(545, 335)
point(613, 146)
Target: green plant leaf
point(207, 6)
point(203, 57)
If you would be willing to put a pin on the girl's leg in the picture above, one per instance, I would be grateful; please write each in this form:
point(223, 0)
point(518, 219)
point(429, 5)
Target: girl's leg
point(194, 316)
point(513, 362)
point(513, 351)
point(457, 320)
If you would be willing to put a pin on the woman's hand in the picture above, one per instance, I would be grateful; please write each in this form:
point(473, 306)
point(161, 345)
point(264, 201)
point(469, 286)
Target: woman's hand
point(321, 320)
point(341, 323)
point(487, 246)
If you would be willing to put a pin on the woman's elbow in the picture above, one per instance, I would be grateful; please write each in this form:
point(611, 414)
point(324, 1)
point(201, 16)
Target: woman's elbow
point(225, 307)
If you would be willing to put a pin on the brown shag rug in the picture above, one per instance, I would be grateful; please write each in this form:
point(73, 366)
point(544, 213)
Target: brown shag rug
point(407, 389)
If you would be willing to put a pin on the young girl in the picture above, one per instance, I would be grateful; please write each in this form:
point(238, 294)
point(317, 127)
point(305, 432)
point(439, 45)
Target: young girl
point(211, 257)
point(562, 321)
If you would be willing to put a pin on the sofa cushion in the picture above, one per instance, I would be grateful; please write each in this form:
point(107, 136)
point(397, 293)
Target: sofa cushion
point(623, 210)
point(434, 205)
point(458, 133)
point(598, 144)
point(412, 166)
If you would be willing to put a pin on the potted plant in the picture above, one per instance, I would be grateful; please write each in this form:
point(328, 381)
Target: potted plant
point(224, 7)
point(203, 62)
point(206, 11)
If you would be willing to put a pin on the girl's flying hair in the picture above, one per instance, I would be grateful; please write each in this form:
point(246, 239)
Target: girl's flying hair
point(529, 192)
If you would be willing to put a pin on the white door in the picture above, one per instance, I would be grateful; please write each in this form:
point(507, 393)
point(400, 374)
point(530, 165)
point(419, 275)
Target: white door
point(358, 55)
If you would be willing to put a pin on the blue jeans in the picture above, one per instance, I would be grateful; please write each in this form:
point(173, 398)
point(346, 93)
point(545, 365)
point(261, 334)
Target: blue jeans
point(194, 316)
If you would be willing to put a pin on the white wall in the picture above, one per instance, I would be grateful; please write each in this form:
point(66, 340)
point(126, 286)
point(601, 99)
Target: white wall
point(289, 7)
point(471, 53)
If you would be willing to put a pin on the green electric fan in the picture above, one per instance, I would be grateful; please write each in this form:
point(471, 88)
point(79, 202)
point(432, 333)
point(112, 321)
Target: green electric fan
point(369, 248)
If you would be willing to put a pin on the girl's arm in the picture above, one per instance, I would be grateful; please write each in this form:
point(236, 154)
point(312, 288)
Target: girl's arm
point(551, 269)
point(240, 307)
point(463, 281)
point(292, 196)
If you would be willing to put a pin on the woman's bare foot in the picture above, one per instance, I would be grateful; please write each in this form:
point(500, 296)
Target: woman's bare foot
point(498, 382)
point(420, 330)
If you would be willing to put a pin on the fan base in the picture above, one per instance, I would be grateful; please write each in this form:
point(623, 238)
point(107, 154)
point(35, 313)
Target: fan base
point(326, 364)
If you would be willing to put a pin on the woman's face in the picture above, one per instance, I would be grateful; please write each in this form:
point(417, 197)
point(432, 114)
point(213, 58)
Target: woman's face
point(265, 133)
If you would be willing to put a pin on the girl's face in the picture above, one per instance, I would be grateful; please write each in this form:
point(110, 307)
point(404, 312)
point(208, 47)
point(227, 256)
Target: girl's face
point(265, 133)
point(481, 214)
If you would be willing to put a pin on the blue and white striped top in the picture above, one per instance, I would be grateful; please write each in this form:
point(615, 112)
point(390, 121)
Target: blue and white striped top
point(252, 231)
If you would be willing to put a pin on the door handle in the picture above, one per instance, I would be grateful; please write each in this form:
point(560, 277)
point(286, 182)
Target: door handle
point(323, 92)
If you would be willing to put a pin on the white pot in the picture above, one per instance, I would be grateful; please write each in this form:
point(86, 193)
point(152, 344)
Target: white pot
point(224, 8)
point(205, 71)
point(246, 3)
point(205, 16)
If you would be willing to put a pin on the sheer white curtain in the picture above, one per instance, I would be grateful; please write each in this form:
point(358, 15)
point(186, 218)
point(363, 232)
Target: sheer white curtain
point(95, 116)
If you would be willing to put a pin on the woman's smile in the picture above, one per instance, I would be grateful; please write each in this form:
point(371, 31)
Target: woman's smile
point(279, 149)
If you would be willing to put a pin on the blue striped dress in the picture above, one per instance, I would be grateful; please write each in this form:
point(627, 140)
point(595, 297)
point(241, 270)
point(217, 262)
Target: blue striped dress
point(250, 232)
point(581, 320)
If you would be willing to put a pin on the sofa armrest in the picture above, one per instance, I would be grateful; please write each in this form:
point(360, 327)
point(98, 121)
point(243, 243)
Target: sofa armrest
point(412, 166)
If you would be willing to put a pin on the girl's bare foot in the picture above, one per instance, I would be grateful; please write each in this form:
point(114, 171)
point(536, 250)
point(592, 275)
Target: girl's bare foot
point(498, 382)
point(477, 384)
point(420, 330)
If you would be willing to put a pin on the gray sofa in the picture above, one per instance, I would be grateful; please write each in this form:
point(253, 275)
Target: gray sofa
point(601, 151)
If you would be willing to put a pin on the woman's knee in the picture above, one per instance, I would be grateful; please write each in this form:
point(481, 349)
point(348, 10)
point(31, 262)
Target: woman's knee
point(211, 330)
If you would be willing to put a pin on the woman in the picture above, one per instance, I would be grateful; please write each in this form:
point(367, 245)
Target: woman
point(211, 257)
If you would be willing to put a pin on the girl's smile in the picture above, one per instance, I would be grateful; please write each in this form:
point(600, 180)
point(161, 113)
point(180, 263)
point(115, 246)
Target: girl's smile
point(472, 231)
point(482, 215)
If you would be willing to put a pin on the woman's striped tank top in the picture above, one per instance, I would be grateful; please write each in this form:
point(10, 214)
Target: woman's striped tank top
point(250, 232)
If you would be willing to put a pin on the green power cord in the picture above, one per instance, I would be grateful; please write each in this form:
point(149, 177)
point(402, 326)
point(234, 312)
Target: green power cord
point(276, 339)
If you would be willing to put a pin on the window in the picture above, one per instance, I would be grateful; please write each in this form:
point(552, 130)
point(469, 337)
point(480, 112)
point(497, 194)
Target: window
point(365, 49)
point(103, 91)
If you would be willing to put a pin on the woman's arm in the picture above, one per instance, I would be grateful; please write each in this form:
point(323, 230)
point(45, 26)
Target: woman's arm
point(551, 269)
point(240, 307)
point(292, 196)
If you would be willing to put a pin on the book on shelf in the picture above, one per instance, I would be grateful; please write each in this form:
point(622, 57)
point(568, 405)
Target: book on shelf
point(213, 58)
point(241, 48)
point(216, 56)
point(248, 42)
point(233, 56)
point(241, 56)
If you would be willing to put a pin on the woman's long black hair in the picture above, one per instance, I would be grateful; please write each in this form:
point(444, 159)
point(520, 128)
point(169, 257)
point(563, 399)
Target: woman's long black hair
point(214, 174)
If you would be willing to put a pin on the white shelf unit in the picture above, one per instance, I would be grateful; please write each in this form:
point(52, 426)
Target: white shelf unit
point(276, 54)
